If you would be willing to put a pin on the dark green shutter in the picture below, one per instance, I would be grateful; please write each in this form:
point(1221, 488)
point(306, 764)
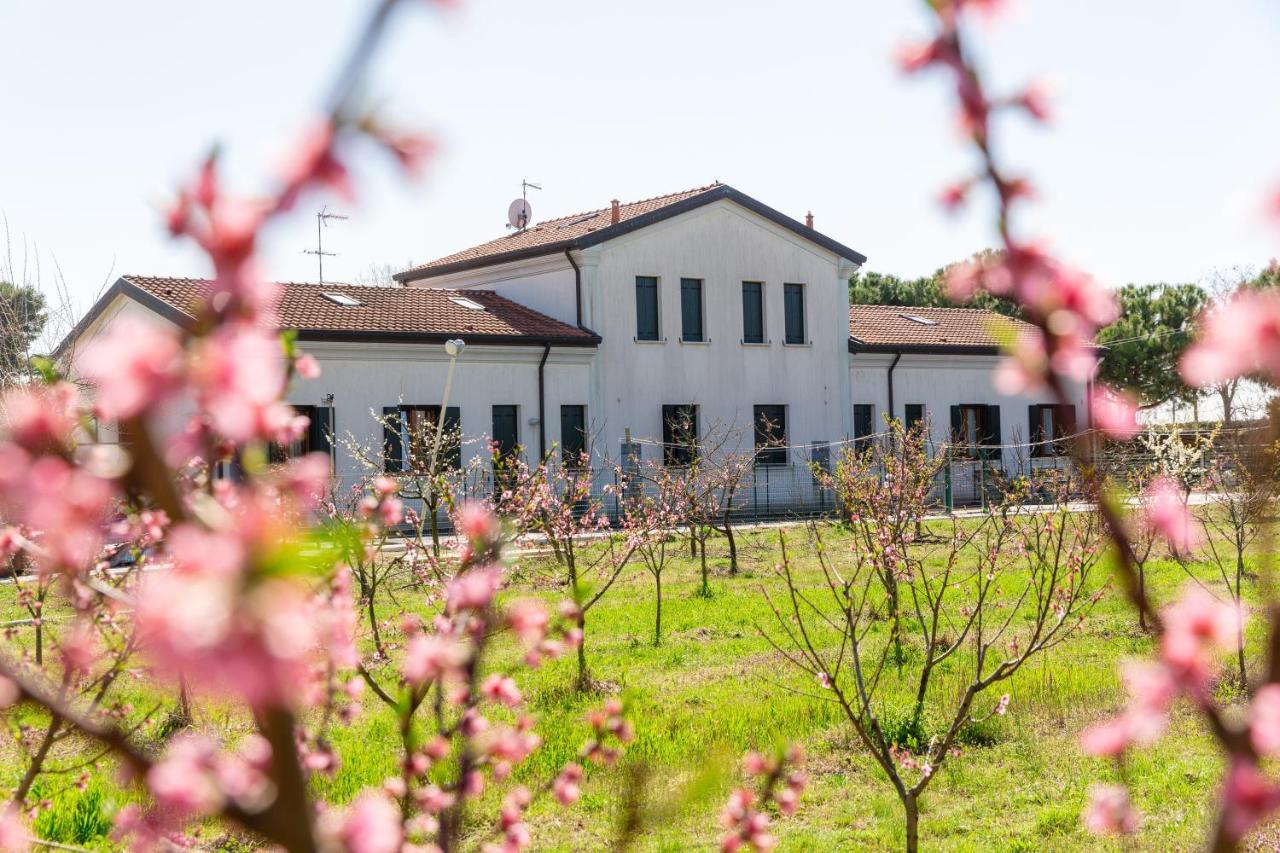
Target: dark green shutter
point(956, 424)
point(452, 440)
point(752, 313)
point(573, 434)
point(991, 432)
point(915, 415)
point(321, 430)
point(392, 446)
point(506, 432)
point(1035, 431)
point(793, 298)
point(691, 309)
point(646, 308)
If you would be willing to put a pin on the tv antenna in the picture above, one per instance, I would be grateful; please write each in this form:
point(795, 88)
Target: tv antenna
point(322, 221)
point(520, 214)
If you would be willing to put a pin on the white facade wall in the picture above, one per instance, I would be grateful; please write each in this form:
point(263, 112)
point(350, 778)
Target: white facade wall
point(943, 381)
point(722, 244)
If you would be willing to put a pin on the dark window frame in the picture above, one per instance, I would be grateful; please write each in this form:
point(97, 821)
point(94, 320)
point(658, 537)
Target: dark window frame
point(793, 335)
point(645, 283)
point(912, 419)
point(573, 450)
point(864, 425)
point(1062, 423)
point(769, 421)
point(749, 336)
point(693, 286)
point(679, 434)
point(415, 426)
point(514, 411)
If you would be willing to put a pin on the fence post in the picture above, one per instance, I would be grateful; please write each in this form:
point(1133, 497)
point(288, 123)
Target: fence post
point(950, 498)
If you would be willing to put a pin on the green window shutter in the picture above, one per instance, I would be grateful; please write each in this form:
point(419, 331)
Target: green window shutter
point(956, 425)
point(752, 312)
point(646, 308)
point(991, 432)
point(320, 433)
point(573, 435)
point(506, 430)
point(691, 309)
point(392, 446)
point(793, 299)
point(451, 441)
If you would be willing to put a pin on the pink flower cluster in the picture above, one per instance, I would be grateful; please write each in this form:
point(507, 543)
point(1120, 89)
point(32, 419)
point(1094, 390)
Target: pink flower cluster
point(781, 782)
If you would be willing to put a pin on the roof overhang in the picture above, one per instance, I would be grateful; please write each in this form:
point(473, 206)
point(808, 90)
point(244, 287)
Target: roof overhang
point(724, 191)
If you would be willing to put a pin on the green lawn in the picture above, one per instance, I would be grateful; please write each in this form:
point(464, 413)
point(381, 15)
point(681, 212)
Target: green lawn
point(715, 688)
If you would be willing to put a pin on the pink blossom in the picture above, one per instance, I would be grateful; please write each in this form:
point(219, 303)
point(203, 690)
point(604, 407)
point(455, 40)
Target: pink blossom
point(239, 374)
point(528, 619)
point(473, 589)
point(1035, 100)
point(502, 689)
point(307, 366)
point(372, 825)
point(1248, 797)
point(1109, 811)
point(134, 365)
point(1241, 337)
point(9, 692)
point(1195, 623)
point(1003, 705)
point(566, 785)
point(391, 511)
point(384, 485)
point(183, 780)
point(14, 835)
point(429, 657)
point(1114, 413)
point(1166, 512)
point(39, 418)
point(953, 196)
point(1264, 720)
point(477, 523)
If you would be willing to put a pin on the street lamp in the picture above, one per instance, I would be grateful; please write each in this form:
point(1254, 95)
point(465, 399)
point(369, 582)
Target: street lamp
point(453, 348)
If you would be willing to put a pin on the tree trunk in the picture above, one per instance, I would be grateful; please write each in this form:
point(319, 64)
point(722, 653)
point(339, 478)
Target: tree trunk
point(733, 547)
point(1142, 593)
point(657, 622)
point(37, 761)
point(435, 530)
point(706, 586)
point(1244, 673)
point(913, 823)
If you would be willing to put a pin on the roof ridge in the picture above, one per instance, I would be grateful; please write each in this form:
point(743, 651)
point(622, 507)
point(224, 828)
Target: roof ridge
point(598, 210)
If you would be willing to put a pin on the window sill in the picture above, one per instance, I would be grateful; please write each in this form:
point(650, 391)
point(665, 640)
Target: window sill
point(659, 341)
point(806, 344)
point(702, 343)
point(755, 343)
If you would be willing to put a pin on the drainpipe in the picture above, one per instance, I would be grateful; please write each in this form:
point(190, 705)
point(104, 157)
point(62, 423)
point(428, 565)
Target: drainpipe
point(577, 286)
point(542, 404)
point(889, 380)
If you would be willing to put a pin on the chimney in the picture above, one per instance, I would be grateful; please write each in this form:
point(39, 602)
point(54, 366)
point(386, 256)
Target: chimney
point(614, 214)
point(808, 219)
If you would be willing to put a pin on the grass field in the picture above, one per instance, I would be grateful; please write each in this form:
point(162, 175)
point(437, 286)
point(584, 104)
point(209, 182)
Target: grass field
point(715, 688)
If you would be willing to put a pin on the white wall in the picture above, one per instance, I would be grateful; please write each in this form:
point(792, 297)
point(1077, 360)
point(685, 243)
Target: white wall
point(943, 381)
point(722, 244)
point(545, 284)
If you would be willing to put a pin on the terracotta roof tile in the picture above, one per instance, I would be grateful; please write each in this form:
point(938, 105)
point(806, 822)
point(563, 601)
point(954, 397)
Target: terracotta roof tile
point(403, 311)
point(888, 326)
point(563, 229)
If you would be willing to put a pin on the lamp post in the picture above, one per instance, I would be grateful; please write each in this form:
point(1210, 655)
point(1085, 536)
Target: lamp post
point(453, 348)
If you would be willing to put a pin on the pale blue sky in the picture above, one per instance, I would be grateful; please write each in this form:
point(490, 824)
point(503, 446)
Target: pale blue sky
point(1167, 131)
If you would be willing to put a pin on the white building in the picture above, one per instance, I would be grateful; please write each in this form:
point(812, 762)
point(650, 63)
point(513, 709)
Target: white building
point(705, 306)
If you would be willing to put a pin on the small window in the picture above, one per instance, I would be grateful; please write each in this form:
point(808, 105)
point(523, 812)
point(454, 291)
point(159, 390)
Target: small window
point(342, 299)
point(691, 310)
point(464, 302)
point(863, 425)
point(752, 312)
point(573, 436)
point(975, 430)
point(646, 308)
point(916, 318)
point(679, 435)
point(278, 454)
point(506, 430)
point(409, 438)
point(771, 435)
point(915, 416)
point(1051, 426)
point(793, 298)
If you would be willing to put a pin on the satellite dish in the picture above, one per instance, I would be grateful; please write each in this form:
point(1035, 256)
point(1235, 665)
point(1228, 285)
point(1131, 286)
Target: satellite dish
point(519, 214)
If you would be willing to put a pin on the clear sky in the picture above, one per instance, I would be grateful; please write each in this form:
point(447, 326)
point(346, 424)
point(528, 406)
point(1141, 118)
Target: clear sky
point(1166, 136)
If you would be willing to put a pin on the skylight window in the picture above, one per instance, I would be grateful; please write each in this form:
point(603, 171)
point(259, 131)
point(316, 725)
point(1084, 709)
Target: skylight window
point(464, 302)
point(342, 299)
point(577, 221)
point(915, 318)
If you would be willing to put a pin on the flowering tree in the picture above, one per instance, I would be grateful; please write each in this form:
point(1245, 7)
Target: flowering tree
point(1240, 338)
point(1003, 591)
point(650, 518)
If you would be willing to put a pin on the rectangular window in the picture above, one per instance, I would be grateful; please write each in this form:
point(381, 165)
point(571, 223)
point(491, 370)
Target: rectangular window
point(691, 310)
point(863, 425)
point(975, 430)
point(679, 435)
point(1050, 426)
point(752, 312)
point(506, 430)
point(646, 308)
point(793, 299)
point(278, 454)
point(573, 436)
point(915, 416)
point(771, 435)
point(409, 438)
